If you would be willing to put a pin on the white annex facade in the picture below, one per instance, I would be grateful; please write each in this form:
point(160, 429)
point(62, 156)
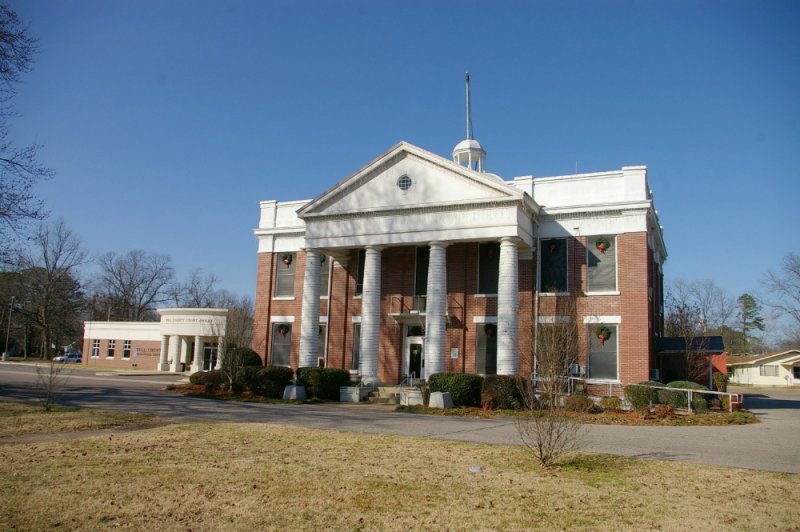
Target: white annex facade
point(184, 339)
point(773, 369)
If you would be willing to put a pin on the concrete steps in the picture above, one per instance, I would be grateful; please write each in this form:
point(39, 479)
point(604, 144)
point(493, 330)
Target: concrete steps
point(389, 394)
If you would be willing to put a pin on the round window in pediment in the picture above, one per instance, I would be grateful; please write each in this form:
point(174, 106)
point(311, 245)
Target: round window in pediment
point(404, 183)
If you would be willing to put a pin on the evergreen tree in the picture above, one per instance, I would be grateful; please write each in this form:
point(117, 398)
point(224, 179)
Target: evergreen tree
point(749, 319)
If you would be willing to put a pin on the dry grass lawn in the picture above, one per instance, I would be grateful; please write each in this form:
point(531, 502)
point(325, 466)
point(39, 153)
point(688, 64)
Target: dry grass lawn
point(268, 477)
point(20, 419)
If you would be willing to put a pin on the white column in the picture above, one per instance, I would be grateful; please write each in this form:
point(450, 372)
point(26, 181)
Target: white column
point(508, 308)
point(163, 365)
point(175, 352)
point(197, 362)
point(370, 316)
point(220, 351)
point(436, 311)
point(309, 324)
point(185, 348)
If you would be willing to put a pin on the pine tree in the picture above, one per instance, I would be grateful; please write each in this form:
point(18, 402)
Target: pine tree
point(749, 319)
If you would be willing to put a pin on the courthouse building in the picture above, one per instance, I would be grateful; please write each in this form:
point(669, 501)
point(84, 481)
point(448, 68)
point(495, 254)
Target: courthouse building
point(418, 264)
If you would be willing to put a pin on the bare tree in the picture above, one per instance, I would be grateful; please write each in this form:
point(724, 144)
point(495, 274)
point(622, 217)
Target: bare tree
point(52, 296)
point(49, 382)
point(783, 287)
point(198, 291)
point(545, 429)
point(130, 286)
point(20, 169)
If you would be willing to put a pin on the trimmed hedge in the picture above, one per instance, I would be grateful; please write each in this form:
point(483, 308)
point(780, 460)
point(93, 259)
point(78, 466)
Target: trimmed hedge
point(504, 391)
point(578, 403)
point(611, 403)
point(241, 357)
point(678, 399)
point(464, 388)
point(271, 381)
point(198, 377)
point(640, 396)
point(323, 383)
point(210, 379)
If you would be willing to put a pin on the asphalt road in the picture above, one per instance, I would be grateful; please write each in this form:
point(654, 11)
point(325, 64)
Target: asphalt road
point(770, 445)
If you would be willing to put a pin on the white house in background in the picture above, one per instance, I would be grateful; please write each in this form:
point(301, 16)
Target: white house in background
point(773, 369)
point(185, 338)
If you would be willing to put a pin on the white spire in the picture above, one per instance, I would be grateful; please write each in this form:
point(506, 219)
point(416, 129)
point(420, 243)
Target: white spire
point(469, 152)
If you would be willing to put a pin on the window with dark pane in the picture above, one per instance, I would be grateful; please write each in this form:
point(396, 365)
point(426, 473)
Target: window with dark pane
point(486, 353)
point(553, 260)
point(362, 258)
point(488, 267)
point(324, 275)
point(421, 278)
point(356, 345)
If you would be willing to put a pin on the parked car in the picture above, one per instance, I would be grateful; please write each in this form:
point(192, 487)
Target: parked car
point(75, 358)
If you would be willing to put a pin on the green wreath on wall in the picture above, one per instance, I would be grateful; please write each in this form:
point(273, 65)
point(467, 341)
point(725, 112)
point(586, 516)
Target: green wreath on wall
point(283, 329)
point(287, 259)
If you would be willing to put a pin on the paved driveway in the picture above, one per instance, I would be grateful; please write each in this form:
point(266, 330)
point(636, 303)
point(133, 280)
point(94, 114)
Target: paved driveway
point(770, 445)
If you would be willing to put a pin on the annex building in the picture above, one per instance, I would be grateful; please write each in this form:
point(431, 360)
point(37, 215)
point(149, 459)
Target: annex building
point(418, 264)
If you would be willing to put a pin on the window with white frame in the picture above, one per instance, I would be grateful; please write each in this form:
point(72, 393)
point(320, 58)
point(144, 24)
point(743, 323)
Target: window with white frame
point(603, 342)
point(768, 370)
point(281, 344)
point(112, 344)
point(601, 264)
point(488, 267)
point(553, 265)
point(95, 348)
point(321, 345)
point(421, 278)
point(284, 275)
point(486, 349)
point(126, 349)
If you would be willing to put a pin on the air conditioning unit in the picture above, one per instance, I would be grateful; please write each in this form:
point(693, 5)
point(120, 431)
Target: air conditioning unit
point(576, 370)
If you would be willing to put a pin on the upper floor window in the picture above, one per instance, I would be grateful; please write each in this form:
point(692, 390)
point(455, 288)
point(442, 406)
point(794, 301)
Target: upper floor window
point(488, 267)
point(284, 275)
point(362, 258)
point(601, 262)
point(324, 275)
point(553, 265)
point(421, 278)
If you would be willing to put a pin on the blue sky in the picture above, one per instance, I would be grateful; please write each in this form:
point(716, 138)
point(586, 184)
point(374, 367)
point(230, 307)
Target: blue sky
point(166, 122)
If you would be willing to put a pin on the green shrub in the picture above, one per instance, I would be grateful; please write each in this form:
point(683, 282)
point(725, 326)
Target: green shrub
point(271, 381)
point(241, 357)
point(198, 377)
point(464, 388)
point(504, 391)
point(323, 383)
point(678, 399)
point(213, 379)
point(721, 382)
point(611, 404)
point(578, 403)
point(246, 379)
point(641, 396)
point(699, 404)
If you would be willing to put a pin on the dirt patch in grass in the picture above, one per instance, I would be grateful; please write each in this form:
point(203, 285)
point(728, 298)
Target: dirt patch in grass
point(741, 417)
point(253, 476)
point(20, 419)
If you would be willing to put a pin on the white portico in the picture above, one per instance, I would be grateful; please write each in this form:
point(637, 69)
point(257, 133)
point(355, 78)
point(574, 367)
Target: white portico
point(185, 333)
point(411, 197)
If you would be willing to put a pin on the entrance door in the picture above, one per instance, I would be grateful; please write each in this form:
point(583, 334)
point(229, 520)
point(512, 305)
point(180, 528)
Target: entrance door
point(796, 374)
point(413, 359)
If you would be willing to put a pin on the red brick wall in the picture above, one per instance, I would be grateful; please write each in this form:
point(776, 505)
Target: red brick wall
point(635, 272)
point(149, 354)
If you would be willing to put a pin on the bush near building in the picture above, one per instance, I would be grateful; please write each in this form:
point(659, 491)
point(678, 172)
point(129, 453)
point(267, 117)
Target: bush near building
point(464, 388)
point(323, 383)
point(642, 396)
point(505, 392)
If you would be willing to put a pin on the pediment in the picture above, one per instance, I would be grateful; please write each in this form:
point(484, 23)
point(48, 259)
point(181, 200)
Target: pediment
point(406, 177)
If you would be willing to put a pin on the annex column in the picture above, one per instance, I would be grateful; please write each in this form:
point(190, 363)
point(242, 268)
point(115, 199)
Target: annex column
point(370, 316)
point(175, 352)
point(309, 322)
point(163, 364)
point(436, 311)
point(197, 362)
point(508, 307)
